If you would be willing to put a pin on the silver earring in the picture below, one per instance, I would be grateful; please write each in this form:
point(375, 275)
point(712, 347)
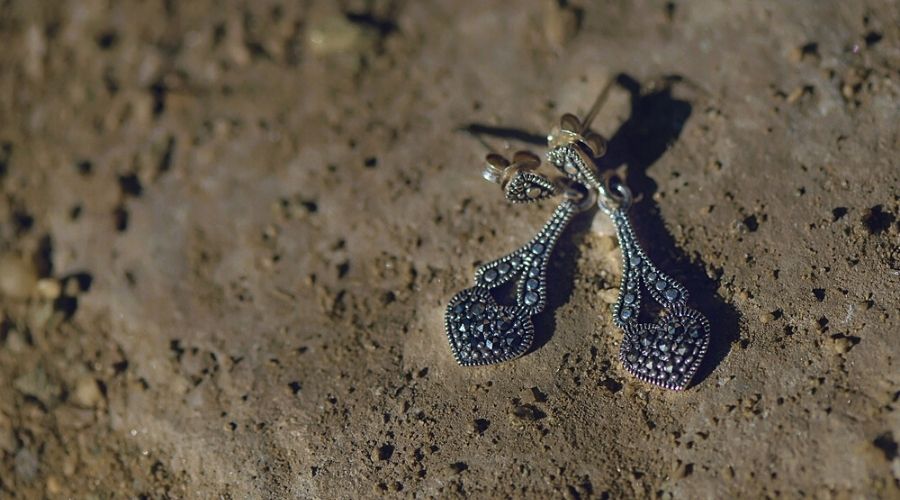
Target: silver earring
point(481, 331)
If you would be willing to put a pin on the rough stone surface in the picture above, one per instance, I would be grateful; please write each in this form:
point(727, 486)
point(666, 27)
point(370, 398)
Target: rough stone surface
point(257, 213)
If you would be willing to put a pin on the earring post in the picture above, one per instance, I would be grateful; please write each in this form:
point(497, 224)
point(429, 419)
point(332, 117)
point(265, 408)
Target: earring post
point(595, 108)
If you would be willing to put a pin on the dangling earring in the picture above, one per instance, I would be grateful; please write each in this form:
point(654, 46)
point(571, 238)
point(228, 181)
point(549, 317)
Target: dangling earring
point(481, 331)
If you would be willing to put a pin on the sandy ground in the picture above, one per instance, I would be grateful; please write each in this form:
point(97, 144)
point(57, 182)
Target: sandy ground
point(228, 234)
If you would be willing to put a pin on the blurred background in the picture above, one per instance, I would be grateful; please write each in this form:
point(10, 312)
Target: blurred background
point(228, 231)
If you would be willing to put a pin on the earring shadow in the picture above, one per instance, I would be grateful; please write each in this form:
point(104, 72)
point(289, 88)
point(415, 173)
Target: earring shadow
point(655, 121)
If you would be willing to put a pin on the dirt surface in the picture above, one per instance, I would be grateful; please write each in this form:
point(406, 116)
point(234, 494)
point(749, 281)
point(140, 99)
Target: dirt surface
point(228, 234)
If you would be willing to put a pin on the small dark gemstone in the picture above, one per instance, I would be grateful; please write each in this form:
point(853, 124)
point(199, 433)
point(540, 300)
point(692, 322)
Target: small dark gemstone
point(537, 249)
point(504, 267)
point(625, 314)
point(532, 284)
point(651, 276)
point(531, 298)
point(534, 272)
point(628, 298)
point(635, 261)
point(490, 275)
point(671, 294)
point(661, 285)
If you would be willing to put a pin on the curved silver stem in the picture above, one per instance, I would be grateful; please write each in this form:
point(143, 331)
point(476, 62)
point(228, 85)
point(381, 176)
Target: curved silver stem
point(637, 269)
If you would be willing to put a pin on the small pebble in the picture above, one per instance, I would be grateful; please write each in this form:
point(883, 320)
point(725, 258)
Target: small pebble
point(235, 43)
point(560, 23)
point(15, 342)
point(70, 465)
point(848, 91)
point(87, 392)
point(53, 486)
point(49, 288)
point(798, 93)
point(335, 34)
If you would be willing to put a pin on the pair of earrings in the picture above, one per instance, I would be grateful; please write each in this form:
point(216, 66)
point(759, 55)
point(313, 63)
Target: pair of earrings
point(482, 331)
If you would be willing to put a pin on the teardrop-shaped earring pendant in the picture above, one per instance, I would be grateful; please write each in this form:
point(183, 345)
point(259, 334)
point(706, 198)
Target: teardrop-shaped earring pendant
point(480, 330)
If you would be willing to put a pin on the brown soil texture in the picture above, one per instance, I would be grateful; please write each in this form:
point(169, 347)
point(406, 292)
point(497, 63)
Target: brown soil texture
point(228, 233)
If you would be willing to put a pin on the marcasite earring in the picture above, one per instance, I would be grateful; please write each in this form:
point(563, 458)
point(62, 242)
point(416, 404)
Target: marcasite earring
point(482, 331)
